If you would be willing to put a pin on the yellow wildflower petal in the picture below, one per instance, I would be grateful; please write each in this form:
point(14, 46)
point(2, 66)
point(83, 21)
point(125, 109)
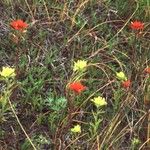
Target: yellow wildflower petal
point(76, 129)
point(121, 76)
point(99, 101)
point(79, 65)
point(7, 72)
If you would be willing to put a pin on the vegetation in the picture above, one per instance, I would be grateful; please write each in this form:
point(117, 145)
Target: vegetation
point(74, 74)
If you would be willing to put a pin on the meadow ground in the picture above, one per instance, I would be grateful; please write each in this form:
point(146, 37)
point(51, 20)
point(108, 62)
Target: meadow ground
point(74, 74)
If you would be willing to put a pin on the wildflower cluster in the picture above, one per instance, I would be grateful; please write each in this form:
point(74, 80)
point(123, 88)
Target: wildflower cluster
point(77, 87)
point(137, 25)
point(76, 129)
point(99, 101)
point(79, 68)
point(8, 72)
point(80, 65)
point(126, 83)
point(19, 25)
point(122, 77)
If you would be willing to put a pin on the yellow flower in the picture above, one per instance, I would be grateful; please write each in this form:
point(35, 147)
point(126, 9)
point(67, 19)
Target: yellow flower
point(79, 65)
point(99, 101)
point(76, 129)
point(7, 72)
point(121, 76)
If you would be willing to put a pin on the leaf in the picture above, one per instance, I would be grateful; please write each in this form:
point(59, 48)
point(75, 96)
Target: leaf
point(56, 104)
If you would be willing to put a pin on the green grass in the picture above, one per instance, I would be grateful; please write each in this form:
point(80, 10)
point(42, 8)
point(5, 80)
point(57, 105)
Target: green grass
point(59, 34)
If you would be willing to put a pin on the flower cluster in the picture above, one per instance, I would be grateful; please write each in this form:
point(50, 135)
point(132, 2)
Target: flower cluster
point(99, 101)
point(7, 72)
point(137, 25)
point(125, 82)
point(121, 76)
point(80, 65)
point(147, 70)
point(77, 87)
point(76, 129)
point(19, 25)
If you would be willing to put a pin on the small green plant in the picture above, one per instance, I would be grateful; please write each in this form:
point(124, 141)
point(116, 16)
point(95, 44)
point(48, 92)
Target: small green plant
point(7, 76)
point(99, 102)
point(57, 107)
point(135, 143)
point(32, 87)
point(56, 104)
point(95, 124)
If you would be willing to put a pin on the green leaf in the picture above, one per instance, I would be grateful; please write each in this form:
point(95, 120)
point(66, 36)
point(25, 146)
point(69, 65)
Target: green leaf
point(56, 104)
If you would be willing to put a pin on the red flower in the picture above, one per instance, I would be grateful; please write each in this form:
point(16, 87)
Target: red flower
point(126, 84)
point(147, 70)
point(77, 87)
point(18, 25)
point(137, 25)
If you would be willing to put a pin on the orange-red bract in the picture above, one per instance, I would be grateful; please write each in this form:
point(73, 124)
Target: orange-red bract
point(147, 70)
point(126, 84)
point(19, 25)
point(77, 87)
point(137, 25)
